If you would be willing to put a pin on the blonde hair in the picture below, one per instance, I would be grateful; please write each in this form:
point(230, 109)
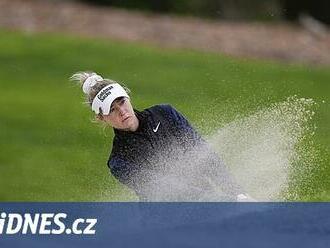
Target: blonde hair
point(82, 76)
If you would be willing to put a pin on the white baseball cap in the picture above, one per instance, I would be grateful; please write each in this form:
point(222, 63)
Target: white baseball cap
point(103, 100)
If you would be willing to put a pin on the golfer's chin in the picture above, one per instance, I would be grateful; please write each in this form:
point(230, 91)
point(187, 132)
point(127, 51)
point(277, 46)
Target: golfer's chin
point(127, 125)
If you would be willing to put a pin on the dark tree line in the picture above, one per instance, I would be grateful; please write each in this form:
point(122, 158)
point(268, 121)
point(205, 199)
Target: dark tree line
point(231, 9)
point(319, 9)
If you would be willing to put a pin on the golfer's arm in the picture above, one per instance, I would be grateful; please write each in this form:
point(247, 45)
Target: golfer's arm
point(185, 132)
point(218, 170)
point(121, 170)
point(221, 176)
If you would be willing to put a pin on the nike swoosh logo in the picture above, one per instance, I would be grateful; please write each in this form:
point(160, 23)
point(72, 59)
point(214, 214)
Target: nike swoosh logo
point(156, 129)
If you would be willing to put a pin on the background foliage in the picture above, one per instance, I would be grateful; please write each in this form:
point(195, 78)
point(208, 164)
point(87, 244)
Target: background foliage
point(231, 9)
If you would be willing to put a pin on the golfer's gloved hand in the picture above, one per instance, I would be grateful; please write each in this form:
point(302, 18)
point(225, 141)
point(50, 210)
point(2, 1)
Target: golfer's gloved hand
point(245, 198)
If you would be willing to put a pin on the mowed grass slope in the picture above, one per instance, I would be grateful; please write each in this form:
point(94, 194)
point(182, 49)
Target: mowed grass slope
point(51, 150)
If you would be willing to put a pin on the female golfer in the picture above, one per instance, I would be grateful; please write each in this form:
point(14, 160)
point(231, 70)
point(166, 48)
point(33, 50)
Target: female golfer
point(156, 152)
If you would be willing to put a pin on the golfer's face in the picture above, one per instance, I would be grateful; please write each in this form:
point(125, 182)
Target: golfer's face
point(121, 114)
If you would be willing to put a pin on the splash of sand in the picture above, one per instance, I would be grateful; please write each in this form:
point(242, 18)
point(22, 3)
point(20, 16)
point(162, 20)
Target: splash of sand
point(267, 153)
point(264, 149)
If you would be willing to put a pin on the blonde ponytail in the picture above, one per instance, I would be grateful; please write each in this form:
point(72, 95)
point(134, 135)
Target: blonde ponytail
point(92, 83)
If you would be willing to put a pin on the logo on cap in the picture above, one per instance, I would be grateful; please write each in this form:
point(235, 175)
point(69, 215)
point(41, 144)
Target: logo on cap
point(104, 93)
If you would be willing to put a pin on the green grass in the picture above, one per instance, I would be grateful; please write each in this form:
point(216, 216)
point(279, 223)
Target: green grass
point(51, 151)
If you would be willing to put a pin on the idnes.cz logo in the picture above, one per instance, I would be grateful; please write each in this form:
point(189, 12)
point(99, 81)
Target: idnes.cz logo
point(44, 223)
